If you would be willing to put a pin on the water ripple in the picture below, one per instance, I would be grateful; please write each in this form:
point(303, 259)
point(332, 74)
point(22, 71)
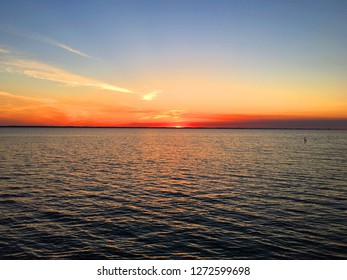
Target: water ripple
point(172, 194)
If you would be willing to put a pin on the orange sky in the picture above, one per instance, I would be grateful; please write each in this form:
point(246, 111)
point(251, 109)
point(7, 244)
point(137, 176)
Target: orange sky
point(201, 66)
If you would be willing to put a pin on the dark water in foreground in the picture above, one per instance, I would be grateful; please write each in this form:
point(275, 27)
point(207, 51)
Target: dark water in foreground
point(172, 194)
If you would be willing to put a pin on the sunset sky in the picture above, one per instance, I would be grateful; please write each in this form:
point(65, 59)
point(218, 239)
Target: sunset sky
point(174, 63)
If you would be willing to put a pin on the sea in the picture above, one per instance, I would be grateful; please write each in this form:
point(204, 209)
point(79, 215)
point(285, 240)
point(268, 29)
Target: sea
point(118, 193)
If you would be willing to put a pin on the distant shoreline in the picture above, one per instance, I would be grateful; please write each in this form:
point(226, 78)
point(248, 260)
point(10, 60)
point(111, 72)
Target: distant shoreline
point(176, 128)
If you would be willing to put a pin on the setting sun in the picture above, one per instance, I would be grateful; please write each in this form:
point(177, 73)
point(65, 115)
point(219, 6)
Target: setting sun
point(139, 65)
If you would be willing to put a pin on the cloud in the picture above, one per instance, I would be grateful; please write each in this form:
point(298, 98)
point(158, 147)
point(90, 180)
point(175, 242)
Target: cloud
point(151, 95)
point(60, 45)
point(3, 50)
point(26, 98)
point(174, 115)
point(12, 63)
point(24, 110)
point(44, 39)
point(39, 70)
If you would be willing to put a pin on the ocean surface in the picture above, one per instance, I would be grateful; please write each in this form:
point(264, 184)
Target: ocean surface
point(90, 193)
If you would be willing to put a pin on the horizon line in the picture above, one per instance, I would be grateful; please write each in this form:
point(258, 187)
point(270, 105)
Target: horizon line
point(168, 127)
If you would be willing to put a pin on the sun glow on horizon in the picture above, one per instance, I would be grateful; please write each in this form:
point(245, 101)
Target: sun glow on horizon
point(166, 72)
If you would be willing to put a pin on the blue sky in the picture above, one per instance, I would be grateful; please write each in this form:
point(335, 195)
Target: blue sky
point(154, 45)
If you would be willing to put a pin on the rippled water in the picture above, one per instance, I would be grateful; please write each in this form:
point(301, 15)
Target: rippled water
point(172, 194)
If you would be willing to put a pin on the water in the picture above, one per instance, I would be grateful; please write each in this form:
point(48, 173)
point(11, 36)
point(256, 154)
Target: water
point(172, 194)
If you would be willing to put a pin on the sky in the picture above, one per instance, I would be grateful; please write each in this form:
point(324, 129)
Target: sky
point(183, 63)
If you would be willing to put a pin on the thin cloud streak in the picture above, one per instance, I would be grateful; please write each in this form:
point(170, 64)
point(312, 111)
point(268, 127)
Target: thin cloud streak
point(151, 95)
point(26, 98)
point(44, 39)
point(61, 45)
point(3, 50)
point(23, 110)
point(173, 115)
point(10, 63)
point(39, 70)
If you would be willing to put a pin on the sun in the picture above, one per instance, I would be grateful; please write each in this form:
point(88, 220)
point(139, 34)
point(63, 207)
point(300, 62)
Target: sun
point(179, 124)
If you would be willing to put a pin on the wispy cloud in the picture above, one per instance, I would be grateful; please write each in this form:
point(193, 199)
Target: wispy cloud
point(60, 45)
point(151, 95)
point(174, 115)
point(4, 50)
point(26, 98)
point(25, 110)
point(39, 70)
point(12, 62)
point(17, 109)
point(44, 39)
